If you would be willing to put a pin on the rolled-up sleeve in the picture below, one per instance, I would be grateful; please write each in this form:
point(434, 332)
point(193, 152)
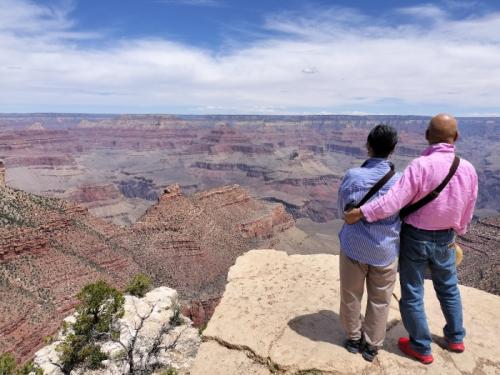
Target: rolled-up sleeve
point(402, 193)
point(469, 209)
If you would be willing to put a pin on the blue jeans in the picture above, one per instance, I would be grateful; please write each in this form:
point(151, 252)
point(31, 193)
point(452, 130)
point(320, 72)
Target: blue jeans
point(419, 249)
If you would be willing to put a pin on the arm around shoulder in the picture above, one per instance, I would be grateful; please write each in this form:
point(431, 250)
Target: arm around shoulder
point(401, 194)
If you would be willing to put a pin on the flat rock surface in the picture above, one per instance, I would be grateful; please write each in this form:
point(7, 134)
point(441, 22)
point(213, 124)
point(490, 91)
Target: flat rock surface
point(279, 314)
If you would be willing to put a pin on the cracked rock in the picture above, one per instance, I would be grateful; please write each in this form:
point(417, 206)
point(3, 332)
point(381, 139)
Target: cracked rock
point(279, 315)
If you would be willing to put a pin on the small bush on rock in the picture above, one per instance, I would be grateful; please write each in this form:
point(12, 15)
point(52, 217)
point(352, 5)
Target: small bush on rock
point(8, 366)
point(139, 285)
point(100, 305)
point(29, 368)
point(170, 371)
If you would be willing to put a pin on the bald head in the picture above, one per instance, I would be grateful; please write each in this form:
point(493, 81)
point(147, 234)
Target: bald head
point(442, 129)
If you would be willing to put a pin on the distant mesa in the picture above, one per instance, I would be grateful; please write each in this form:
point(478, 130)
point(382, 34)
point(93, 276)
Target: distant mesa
point(37, 126)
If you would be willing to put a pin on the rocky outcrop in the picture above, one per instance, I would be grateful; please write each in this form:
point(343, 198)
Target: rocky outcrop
point(94, 195)
point(250, 170)
point(268, 225)
point(279, 315)
point(149, 338)
point(49, 249)
point(189, 242)
point(107, 201)
point(138, 187)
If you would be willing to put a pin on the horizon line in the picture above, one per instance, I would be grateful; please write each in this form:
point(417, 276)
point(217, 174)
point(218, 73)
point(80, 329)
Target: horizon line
point(229, 114)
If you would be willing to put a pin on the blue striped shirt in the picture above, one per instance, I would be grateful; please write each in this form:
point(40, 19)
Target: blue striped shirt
point(377, 243)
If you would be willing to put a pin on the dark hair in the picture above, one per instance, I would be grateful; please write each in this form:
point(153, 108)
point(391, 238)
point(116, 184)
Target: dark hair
point(382, 139)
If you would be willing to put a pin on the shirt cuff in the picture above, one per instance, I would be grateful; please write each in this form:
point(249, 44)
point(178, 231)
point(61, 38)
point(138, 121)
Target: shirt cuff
point(368, 213)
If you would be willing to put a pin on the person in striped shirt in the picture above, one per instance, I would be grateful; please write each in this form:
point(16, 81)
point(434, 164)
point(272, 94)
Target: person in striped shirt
point(428, 235)
point(368, 251)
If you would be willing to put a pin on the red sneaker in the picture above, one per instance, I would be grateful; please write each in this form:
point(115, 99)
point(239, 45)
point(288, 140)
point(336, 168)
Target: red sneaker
point(457, 347)
point(404, 346)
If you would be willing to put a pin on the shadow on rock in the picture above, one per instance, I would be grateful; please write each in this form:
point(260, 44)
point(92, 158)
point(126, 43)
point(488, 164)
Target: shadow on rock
point(321, 326)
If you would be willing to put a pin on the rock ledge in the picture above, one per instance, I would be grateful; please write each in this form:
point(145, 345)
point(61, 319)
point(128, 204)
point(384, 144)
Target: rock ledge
point(279, 315)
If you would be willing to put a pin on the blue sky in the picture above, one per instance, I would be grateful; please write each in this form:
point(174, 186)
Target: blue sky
point(268, 57)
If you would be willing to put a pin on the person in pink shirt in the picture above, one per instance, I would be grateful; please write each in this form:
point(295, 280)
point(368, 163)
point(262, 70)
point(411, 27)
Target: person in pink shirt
point(428, 235)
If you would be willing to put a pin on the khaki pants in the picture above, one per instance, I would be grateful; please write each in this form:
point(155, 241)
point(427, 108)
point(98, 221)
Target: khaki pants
point(379, 284)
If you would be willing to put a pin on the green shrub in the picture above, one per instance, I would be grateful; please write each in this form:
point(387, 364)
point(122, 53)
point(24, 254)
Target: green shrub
point(176, 318)
point(169, 371)
point(202, 328)
point(139, 285)
point(7, 364)
point(99, 306)
point(29, 368)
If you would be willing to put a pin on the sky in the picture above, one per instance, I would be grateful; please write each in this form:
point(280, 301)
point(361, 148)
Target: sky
point(250, 57)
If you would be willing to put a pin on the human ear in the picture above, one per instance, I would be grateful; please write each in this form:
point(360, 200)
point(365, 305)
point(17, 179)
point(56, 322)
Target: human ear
point(369, 149)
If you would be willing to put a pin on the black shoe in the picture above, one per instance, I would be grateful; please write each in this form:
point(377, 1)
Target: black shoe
point(369, 352)
point(353, 346)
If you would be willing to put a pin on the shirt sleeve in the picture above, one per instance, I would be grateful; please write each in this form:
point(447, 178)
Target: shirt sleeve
point(469, 209)
point(342, 195)
point(400, 194)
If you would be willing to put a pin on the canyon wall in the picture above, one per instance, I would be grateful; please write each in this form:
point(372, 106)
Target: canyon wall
point(50, 249)
point(296, 160)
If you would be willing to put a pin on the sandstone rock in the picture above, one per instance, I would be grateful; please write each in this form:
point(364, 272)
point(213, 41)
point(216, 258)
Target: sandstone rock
point(152, 313)
point(279, 314)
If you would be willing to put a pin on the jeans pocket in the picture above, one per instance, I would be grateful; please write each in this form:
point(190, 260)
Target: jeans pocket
point(444, 254)
point(413, 249)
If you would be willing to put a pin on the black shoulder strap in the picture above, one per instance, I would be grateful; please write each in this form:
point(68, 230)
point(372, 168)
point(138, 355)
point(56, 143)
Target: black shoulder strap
point(405, 211)
point(377, 186)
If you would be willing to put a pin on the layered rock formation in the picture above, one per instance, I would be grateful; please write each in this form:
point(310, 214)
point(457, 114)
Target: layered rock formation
point(148, 338)
point(480, 267)
point(279, 315)
point(296, 160)
point(189, 242)
point(50, 249)
point(107, 202)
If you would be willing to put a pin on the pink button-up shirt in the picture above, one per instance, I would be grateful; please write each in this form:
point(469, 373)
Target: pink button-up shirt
point(454, 206)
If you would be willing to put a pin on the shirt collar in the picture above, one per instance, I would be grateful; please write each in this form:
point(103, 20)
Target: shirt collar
point(439, 147)
point(372, 162)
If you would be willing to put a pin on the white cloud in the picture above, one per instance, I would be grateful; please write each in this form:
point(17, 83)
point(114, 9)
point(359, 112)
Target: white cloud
point(424, 11)
point(358, 65)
